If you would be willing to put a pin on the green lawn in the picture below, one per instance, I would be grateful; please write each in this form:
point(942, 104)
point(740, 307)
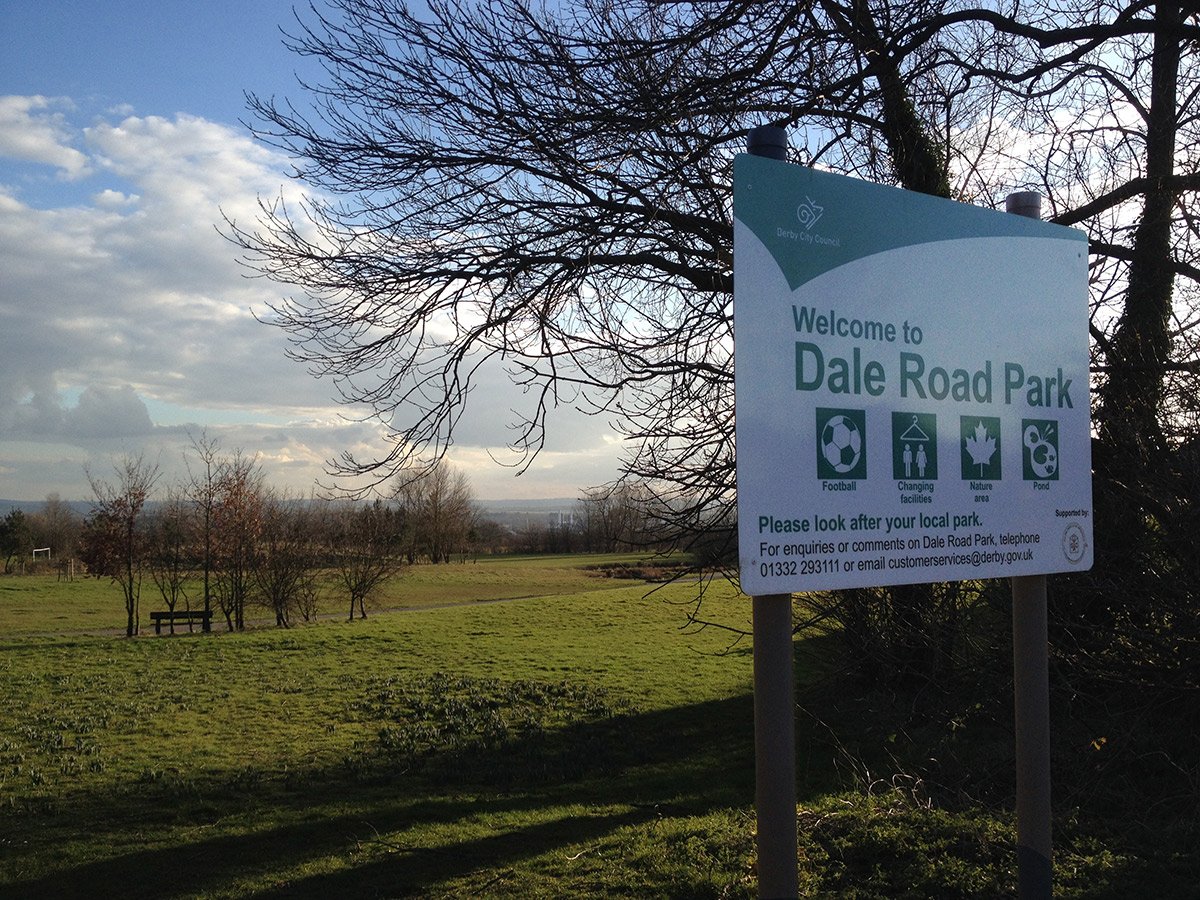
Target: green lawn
point(41, 604)
point(581, 741)
point(405, 754)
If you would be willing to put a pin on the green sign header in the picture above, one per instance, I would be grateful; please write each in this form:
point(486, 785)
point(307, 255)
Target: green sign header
point(818, 212)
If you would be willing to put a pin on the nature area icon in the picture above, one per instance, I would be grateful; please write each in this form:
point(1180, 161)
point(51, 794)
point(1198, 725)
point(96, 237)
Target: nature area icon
point(914, 446)
point(841, 443)
point(980, 448)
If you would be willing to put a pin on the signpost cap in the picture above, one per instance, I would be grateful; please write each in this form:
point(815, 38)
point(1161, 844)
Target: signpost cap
point(769, 141)
point(1024, 203)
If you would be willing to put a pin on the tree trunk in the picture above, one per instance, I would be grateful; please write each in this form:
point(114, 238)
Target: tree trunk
point(1140, 348)
point(1132, 444)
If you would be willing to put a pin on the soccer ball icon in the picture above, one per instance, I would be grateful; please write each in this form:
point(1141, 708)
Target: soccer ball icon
point(841, 444)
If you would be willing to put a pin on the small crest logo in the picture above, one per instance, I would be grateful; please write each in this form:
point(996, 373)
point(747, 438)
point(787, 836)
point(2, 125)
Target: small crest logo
point(1074, 544)
point(808, 213)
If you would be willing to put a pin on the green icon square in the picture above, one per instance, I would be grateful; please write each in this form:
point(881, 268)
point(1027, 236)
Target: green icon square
point(979, 441)
point(914, 446)
point(841, 443)
point(1039, 449)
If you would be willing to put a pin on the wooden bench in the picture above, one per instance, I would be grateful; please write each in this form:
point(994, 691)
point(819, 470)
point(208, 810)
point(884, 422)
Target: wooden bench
point(203, 616)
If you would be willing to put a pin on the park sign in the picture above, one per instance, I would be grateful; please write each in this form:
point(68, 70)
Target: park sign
point(911, 383)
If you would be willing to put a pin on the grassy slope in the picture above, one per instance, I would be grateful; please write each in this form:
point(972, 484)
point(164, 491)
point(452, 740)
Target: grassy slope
point(42, 604)
point(229, 764)
point(580, 743)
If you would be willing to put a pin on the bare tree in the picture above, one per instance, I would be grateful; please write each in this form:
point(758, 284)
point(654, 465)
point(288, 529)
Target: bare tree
point(202, 489)
point(409, 500)
point(170, 546)
point(1103, 99)
point(549, 191)
point(56, 526)
point(284, 574)
point(437, 512)
point(555, 187)
point(448, 514)
point(116, 513)
point(363, 547)
point(237, 524)
point(616, 518)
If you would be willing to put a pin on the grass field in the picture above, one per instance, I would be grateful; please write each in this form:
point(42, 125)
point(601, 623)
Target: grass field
point(44, 605)
point(577, 740)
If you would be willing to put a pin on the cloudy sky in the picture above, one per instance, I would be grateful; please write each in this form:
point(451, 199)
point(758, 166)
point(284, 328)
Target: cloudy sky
point(125, 321)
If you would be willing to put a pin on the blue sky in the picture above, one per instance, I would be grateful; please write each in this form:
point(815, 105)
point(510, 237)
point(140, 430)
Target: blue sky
point(125, 321)
point(163, 56)
point(146, 58)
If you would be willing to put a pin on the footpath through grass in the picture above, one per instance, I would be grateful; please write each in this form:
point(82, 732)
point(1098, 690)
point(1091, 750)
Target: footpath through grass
point(582, 742)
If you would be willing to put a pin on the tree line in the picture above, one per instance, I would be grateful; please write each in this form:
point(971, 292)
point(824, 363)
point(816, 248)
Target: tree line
point(607, 519)
point(225, 542)
point(54, 528)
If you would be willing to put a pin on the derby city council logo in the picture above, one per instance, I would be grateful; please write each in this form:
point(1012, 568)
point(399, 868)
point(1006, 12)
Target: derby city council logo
point(808, 212)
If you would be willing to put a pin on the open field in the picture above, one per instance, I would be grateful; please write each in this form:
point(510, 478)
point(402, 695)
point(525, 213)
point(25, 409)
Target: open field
point(42, 604)
point(577, 742)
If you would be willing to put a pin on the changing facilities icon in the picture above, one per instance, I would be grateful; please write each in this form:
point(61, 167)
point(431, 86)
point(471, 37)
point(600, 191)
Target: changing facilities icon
point(914, 446)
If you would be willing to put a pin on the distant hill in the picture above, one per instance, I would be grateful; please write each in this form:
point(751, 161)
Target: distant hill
point(518, 514)
point(540, 506)
point(504, 511)
point(83, 507)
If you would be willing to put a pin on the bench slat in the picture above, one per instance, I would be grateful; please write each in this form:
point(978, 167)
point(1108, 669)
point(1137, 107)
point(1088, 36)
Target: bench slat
point(159, 616)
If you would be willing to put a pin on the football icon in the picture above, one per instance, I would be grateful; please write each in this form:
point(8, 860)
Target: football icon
point(841, 444)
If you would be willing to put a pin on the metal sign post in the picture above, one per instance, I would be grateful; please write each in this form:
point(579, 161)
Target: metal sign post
point(774, 746)
point(774, 701)
point(1031, 699)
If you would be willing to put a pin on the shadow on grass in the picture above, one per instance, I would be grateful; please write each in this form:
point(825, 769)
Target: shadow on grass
point(369, 830)
point(422, 820)
point(220, 865)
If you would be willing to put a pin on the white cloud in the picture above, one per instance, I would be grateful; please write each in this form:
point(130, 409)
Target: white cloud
point(113, 200)
point(143, 290)
point(134, 296)
point(32, 131)
point(132, 302)
point(106, 413)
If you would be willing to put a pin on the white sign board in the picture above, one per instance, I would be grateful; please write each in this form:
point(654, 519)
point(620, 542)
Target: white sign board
point(911, 383)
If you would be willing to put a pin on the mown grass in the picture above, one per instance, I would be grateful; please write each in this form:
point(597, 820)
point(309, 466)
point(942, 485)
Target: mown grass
point(43, 604)
point(578, 743)
point(380, 755)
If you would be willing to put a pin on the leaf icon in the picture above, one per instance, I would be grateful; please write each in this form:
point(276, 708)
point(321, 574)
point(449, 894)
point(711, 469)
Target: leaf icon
point(981, 447)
